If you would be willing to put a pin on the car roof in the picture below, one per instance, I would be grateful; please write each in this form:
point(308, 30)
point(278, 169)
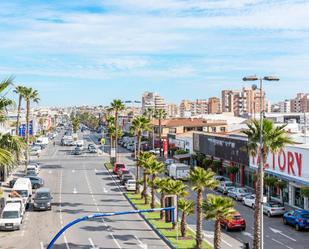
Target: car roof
point(12, 207)
point(43, 190)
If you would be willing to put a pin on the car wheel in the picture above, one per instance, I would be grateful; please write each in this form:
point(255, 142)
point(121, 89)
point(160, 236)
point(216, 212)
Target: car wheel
point(285, 222)
point(297, 227)
point(35, 186)
point(268, 214)
point(226, 228)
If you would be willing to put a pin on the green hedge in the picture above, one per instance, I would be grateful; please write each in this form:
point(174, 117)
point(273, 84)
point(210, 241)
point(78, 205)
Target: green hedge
point(166, 228)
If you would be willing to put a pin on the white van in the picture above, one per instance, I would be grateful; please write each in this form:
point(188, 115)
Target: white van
point(42, 141)
point(17, 200)
point(11, 217)
point(23, 188)
point(179, 171)
point(33, 168)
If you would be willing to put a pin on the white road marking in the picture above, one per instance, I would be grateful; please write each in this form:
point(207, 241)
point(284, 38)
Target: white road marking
point(49, 172)
point(42, 245)
point(92, 244)
point(73, 170)
point(105, 190)
point(211, 236)
point(75, 191)
point(140, 243)
point(281, 233)
point(247, 234)
point(280, 243)
point(116, 242)
point(66, 242)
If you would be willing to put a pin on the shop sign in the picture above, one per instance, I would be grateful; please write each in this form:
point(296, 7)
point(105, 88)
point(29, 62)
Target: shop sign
point(291, 162)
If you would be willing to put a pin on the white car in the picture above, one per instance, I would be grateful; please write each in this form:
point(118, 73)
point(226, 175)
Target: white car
point(249, 201)
point(35, 150)
point(130, 185)
point(223, 187)
point(155, 151)
point(17, 200)
point(238, 193)
point(273, 208)
point(11, 217)
point(33, 167)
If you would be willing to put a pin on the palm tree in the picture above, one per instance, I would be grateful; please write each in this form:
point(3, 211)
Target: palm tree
point(75, 124)
point(154, 168)
point(14, 144)
point(30, 95)
point(187, 208)
point(116, 106)
point(162, 188)
point(217, 208)
point(150, 113)
point(201, 179)
point(143, 161)
point(20, 90)
point(139, 124)
point(274, 139)
point(160, 114)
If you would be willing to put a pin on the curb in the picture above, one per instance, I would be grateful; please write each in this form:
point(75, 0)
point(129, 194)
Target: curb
point(169, 244)
point(152, 227)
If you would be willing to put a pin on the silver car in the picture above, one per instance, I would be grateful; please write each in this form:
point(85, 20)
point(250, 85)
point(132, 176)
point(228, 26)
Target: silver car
point(238, 193)
point(273, 209)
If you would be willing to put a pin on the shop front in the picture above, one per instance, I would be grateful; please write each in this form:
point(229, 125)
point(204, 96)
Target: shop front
point(290, 165)
point(231, 151)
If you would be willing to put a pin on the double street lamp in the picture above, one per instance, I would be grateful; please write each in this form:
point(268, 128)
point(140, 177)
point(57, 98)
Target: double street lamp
point(260, 166)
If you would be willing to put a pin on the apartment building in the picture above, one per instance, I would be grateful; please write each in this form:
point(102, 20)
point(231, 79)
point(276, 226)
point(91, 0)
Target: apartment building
point(153, 100)
point(214, 105)
point(172, 110)
point(300, 103)
point(242, 102)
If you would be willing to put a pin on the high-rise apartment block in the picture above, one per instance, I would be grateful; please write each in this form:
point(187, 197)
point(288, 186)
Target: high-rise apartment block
point(189, 108)
point(172, 110)
point(152, 100)
point(242, 102)
point(214, 105)
point(300, 103)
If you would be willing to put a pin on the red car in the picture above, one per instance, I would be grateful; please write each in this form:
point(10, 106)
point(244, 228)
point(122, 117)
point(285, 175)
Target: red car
point(236, 222)
point(118, 166)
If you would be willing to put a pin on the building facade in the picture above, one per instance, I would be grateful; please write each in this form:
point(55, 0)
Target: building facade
point(214, 105)
point(153, 100)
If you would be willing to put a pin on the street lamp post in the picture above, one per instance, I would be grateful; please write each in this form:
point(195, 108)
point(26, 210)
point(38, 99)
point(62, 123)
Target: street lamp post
point(260, 166)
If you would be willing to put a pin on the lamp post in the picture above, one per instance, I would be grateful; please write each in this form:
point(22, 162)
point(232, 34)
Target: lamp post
point(260, 166)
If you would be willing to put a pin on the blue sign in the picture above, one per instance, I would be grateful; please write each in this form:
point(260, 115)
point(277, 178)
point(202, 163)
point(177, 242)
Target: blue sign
point(22, 129)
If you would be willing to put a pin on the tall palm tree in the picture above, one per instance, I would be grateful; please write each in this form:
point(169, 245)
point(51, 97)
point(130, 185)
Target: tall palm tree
point(274, 139)
point(150, 113)
point(116, 106)
point(139, 124)
point(154, 168)
point(162, 188)
point(187, 208)
point(160, 114)
point(20, 90)
point(201, 179)
point(143, 161)
point(75, 124)
point(30, 95)
point(216, 208)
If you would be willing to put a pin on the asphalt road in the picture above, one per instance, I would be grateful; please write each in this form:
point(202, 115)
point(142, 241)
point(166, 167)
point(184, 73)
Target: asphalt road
point(277, 235)
point(80, 186)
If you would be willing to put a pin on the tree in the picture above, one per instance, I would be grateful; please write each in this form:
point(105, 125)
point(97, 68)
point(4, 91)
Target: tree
point(187, 208)
point(304, 191)
point(20, 90)
point(143, 161)
point(139, 125)
point(281, 185)
point(30, 95)
point(153, 169)
point(216, 208)
point(116, 106)
point(75, 124)
point(160, 114)
point(274, 139)
point(15, 144)
point(150, 113)
point(201, 179)
point(162, 188)
point(270, 182)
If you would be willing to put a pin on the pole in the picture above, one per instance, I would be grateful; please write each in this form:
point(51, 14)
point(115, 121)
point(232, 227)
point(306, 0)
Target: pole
point(261, 170)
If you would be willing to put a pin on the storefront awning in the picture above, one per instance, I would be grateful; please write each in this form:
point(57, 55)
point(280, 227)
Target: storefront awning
point(182, 156)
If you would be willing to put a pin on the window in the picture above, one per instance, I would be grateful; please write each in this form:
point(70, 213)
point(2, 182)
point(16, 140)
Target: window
point(172, 130)
point(222, 129)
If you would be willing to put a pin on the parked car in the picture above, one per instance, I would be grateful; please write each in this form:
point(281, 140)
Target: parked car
point(17, 200)
point(36, 182)
point(42, 199)
point(222, 178)
point(236, 222)
point(31, 172)
point(238, 193)
point(297, 218)
point(11, 218)
point(155, 151)
point(35, 150)
point(125, 177)
point(130, 185)
point(118, 166)
point(249, 201)
point(273, 208)
point(122, 172)
point(92, 148)
point(224, 185)
point(77, 151)
point(33, 168)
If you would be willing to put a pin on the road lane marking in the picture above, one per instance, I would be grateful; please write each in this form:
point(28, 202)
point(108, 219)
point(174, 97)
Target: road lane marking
point(42, 245)
point(73, 170)
point(66, 241)
point(105, 190)
point(247, 234)
point(116, 242)
point(74, 191)
point(280, 243)
point(140, 243)
point(92, 244)
point(49, 172)
point(281, 233)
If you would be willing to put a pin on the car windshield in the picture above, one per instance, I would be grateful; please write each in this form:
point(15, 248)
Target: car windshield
point(306, 216)
point(228, 184)
point(42, 196)
point(23, 193)
point(275, 205)
point(243, 190)
point(237, 217)
point(120, 166)
point(10, 215)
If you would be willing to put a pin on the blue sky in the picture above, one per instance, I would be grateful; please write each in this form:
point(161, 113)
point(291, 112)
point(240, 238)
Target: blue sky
point(91, 51)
